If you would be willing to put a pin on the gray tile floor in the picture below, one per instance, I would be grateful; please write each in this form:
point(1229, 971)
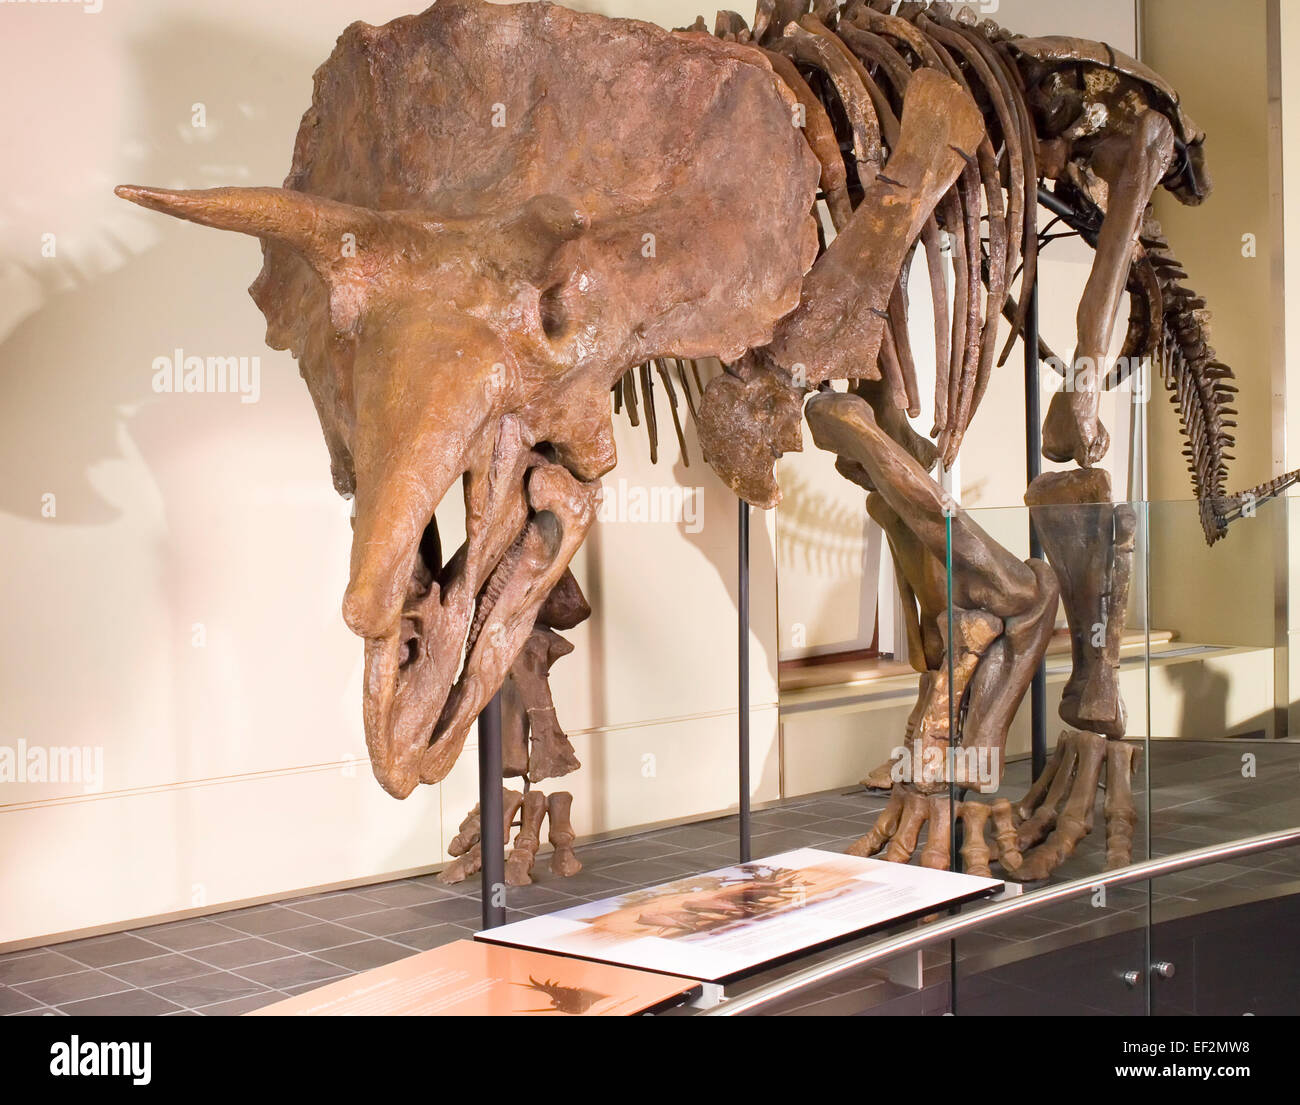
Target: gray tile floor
point(236, 961)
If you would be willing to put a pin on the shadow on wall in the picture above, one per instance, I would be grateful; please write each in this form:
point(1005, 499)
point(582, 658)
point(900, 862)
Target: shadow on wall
point(77, 371)
point(1202, 695)
point(723, 555)
point(161, 501)
point(818, 535)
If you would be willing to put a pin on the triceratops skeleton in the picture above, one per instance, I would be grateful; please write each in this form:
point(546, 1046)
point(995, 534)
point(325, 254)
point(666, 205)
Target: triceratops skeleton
point(497, 214)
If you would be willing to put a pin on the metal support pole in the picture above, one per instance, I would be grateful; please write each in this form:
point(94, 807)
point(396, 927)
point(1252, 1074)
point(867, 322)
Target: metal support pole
point(742, 610)
point(492, 832)
point(1034, 468)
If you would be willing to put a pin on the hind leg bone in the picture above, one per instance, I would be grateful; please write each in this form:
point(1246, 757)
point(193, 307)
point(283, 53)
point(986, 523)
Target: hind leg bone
point(1010, 606)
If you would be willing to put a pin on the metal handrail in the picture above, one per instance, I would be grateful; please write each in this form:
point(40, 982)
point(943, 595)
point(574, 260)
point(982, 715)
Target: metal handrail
point(954, 926)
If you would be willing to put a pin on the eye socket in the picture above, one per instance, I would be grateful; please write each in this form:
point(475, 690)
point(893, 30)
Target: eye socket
point(554, 311)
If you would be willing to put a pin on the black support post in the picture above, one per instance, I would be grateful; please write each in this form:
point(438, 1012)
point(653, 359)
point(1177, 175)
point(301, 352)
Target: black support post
point(742, 682)
point(1034, 467)
point(492, 832)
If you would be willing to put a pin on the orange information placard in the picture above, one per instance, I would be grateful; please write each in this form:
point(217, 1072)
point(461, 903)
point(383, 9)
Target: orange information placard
point(468, 979)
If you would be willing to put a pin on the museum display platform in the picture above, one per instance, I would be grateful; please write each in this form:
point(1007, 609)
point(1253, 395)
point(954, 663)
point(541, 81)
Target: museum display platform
point(238, 961)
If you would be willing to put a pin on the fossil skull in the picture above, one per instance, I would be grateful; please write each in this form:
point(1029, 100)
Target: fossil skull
point(493, 213)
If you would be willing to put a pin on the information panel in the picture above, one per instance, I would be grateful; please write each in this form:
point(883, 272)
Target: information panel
point(466, 979)
point(727, 922)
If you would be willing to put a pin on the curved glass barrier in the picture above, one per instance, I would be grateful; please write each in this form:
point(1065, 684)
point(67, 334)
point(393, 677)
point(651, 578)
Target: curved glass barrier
point(1103, 783)
point(1154, 949)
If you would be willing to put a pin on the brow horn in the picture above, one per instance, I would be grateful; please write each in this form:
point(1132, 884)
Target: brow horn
point(310, 225)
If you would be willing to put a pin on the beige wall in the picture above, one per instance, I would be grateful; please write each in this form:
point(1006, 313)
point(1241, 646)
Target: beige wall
point(828, 550)
point(1224, 594)
point(1285, 187)
point(237, 770)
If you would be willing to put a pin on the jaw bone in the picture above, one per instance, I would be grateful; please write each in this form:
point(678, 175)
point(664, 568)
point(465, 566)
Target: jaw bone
point(563, 510)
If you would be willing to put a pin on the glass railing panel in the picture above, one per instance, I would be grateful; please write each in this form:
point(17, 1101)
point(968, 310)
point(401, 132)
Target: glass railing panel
point(1207, 931)
point(1223, 940)
point(1070, 668)
point(1222, 762)
point(1051, 733)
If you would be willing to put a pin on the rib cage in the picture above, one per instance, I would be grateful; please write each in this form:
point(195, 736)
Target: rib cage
point(837, 45)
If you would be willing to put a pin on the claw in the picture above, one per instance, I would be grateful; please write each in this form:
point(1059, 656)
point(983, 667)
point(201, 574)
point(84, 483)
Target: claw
point(1004, 834)
point(909, 811)
point(1121, 813)
point(936, 854)
point(882, 830)
point(915, 813)
point(465, 844)
point(974, 846)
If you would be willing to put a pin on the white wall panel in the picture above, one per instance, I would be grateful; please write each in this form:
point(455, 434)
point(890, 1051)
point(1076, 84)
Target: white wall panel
point(239, 766)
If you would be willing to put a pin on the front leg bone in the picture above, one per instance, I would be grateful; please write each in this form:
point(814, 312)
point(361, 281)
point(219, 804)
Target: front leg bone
point(514, 729)
point(1120, 809)
point(466, 844)
point(974, 632)
point(551, 753)
point(1089, 543)
point(563, 861)
point(519, 864)
point(1077, 780)
point(925, 529)
point(1073, 429)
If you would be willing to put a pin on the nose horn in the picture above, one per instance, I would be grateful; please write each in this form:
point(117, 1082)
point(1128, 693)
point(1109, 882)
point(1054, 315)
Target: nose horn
point(368, 606)
point(386, 533)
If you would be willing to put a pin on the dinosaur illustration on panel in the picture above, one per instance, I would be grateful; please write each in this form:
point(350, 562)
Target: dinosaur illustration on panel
point(497, 215)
